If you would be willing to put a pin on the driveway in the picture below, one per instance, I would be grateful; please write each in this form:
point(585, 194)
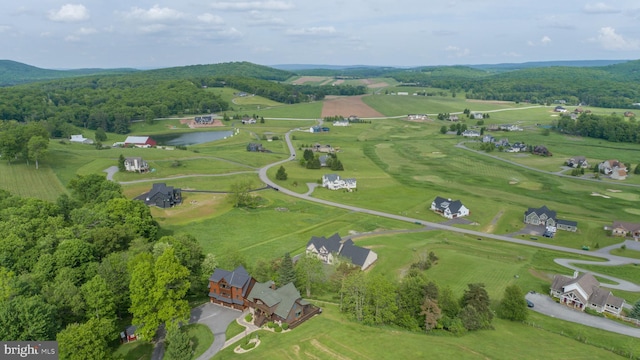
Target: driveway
point(217, 318)
point(111, 170)
point(545, 305)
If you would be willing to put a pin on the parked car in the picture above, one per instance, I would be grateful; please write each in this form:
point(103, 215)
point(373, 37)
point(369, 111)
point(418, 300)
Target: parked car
point(529, 304)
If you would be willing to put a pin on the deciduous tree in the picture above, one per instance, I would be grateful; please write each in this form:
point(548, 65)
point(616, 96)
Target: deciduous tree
point(513, 305)
point(37, 148)
point(431, 313)
point(309, 273)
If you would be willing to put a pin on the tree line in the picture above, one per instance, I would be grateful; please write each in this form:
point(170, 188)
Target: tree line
point(608, 127)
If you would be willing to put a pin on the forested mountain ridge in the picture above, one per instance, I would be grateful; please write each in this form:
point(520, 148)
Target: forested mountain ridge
point(14, 73)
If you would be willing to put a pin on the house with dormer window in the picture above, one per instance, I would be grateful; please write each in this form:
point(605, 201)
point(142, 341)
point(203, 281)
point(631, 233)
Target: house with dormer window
point(449, 208)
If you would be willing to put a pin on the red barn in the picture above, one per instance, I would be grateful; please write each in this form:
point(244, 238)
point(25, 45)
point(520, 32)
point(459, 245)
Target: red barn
point(140, 141)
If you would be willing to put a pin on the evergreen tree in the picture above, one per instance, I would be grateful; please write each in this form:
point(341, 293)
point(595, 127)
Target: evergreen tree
point(121, 163)
point(635, 312)
point(287, 273)
point(443, 129)
point(476, 296)
point(178, 344)
point(637, 170)
point(281, 174)
point(513, 306)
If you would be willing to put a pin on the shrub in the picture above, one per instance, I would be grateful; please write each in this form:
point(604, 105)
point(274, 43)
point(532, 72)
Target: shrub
point(248, 345)
point(248, 318)
point(591, 311)
point(278, 329)
point(271, 324)
point(285, 326)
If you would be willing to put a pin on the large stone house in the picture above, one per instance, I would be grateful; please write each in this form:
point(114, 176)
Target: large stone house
point(543, 216)
point(449, 208)
point(230, 288)
point(282, 305)
point(582, 291)
point(329, 249)
point(162, 196)
point(135, 164)
point(335, 182)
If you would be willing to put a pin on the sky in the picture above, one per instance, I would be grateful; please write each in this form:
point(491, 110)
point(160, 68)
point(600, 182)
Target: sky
point(154, 34)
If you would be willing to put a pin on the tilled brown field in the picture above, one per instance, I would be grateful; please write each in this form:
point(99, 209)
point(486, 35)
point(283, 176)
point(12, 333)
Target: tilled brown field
point(347, 106)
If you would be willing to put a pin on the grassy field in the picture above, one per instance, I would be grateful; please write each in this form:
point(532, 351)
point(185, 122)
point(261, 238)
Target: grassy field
point(201, 338)
point(329, 336)
point(634, 254)
point(630, 272)
point(233, 329)
point(136, 350)
point(24, 180)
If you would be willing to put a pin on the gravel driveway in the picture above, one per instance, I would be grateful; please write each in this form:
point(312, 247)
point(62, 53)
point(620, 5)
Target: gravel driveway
point(545, 305)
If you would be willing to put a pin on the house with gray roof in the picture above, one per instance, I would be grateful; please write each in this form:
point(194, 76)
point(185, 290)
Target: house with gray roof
point(449, 208)
point(282, 305)
point(621, 228)
point(230, 288)
point(335, 182)
point(582, 291)
point(135, 164)
point(330, 249)
point(546, 217)
point(162, 196)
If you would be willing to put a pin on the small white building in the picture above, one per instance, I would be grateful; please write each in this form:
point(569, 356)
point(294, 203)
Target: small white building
point(343, 122)
point(81, 139)
point(449, 208)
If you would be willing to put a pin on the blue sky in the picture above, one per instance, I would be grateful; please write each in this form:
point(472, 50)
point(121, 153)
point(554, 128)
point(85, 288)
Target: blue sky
point(143, 34)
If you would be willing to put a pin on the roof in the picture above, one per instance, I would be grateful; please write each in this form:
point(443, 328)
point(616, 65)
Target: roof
point(136, 140)
point(358, 255)
point(331, 177)
point(543, 210)
point(630, 227)
point(160, 188)
point(283, 297)
point(133, 158)
point(453, 205)
point(236, 278)
point(567, 222)
point(332, 244)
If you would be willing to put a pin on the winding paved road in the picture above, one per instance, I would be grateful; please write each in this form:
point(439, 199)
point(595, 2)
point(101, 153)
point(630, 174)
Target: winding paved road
point(613, 260)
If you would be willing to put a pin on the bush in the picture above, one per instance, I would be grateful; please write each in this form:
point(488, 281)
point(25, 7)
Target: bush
point(248, 345)
point(591, 311)
point(285, 326)
point(278, 329)
point(248, 318)
point(271, 324)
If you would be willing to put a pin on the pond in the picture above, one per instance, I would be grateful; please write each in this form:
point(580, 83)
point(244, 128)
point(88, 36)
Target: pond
point(193, 138)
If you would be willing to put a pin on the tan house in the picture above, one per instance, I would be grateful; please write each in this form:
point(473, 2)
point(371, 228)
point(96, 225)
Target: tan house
point(329, 249)
point(625, 229)
point(582, 291)
point(617, 170)
point(282, 305)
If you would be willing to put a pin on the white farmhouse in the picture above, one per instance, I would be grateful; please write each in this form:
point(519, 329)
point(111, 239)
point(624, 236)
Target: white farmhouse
point(335, 182)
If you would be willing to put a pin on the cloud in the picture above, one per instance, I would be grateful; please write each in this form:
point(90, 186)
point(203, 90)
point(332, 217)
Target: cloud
point(252, 5)
point(444, 32)
point(609, 39)
point(511, 54)
point(260, 18)
point(545, 40)
point(71, 38)
point(69, 13)
point(313, 31)
point(599, 8)
point(4, 28)
point(554, 21)
point(156, 13)
point(210, 19)
point(87, 31)
point(262, 50)
point(230, 33)
point(457, 52)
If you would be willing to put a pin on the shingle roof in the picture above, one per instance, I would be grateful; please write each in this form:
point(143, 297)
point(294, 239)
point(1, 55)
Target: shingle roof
point(357, 255)
point(332, 244)
point(236, 278)
point(136, 139)
point(631, 227)
point(567, 222)
point(283, 297)
point(331, 177)
point(543, 210)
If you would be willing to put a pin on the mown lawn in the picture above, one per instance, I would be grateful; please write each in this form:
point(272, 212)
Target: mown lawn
point(201, 338)
point(330, 336)
point(136, 350)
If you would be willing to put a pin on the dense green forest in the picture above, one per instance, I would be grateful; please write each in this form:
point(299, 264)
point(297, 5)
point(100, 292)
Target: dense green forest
point(14, 73)
point(70, 270)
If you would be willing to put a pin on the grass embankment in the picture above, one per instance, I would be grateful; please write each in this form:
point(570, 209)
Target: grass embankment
point(233, 329)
